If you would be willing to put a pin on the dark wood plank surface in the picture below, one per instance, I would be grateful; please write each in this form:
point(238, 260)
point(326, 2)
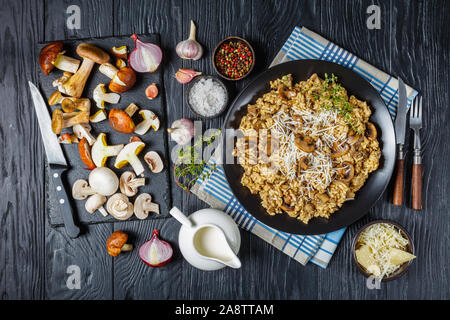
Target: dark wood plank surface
point(413, 43)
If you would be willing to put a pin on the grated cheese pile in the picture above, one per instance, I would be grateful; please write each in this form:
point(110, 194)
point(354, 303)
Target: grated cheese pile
point(380, 242)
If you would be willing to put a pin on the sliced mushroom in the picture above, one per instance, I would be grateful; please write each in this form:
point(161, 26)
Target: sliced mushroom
point(143, 205)
point(117, 243)
point(52, 56)
point(339, 150)
point(100, 96)
point(84, 131)
point(347, 173)
point(119, 206)
point(99, 116)
point(101, 151)
point(352, 138)
point(81, 190)
point(129, 184)
point(94, 203)
point(154, 161)
point(302, 164)
point(129, 154)
point(285, 93)
point(306, 144)
point(91, 54)
point(122, 79)
point(371, 131)
point(150, 120)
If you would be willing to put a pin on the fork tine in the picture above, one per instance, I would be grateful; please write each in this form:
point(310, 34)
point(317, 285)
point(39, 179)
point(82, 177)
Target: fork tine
point(420, 109)
point(411, 111)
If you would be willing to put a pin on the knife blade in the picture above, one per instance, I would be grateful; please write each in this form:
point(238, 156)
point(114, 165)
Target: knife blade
point(400, 130)
point(57, 161)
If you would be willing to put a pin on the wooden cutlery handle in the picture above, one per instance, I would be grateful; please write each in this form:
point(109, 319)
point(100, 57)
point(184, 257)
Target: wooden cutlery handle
point(417, 186)
point(398, 186)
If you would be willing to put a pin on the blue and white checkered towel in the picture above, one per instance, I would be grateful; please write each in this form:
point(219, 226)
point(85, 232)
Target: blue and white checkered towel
point(302, 44)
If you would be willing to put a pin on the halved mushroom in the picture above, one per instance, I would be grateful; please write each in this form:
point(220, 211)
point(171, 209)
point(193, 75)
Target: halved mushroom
point(129, 184)
point(81, 190)
point(120, 52)
point(84, 131)
point(346, 173)
point(91, 54)
point(143, 205)
point(129, 154)
point(154, 161)
point(371, 131)
point(339, 150)
point(119, 206)
point(94, 203)
point(73, 118)
point(352, 137)
point(150, 120)
point(122, 79)
point(285, 93)
point(117, 243)
point(302, 164)
point(306, 144)
point(100, 96)
point(101, 151)
point(52, 56)
point(100, 115)
point(121, 121)
point(103, 181)
point(59, 83)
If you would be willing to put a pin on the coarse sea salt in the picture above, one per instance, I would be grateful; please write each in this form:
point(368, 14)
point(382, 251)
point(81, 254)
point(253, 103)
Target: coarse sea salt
point(207, 97)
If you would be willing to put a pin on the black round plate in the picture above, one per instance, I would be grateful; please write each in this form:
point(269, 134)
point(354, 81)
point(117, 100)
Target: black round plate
point(375, 185)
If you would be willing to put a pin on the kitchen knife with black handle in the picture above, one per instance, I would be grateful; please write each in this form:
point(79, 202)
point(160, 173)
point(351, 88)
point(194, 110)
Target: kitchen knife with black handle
point(56, 160)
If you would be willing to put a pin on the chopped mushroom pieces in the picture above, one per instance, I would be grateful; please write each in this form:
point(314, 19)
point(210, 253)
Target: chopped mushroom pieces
point(117, 243)
point(143, 205)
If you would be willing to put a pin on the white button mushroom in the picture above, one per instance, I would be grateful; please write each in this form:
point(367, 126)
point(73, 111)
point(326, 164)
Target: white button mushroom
point(154, 161)
point(119, 206)
point(81, 190)
point(129, 184)
point(103, 181)
point(143, 205)
point(94, 203)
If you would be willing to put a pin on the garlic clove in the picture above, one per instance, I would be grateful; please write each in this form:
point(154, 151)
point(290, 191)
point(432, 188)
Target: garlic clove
point(186, 75)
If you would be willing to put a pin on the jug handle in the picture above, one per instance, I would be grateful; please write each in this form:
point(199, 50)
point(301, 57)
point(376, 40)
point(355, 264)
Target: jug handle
point(177, 214)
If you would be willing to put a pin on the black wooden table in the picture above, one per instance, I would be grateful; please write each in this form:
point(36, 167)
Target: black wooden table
point(413, 43)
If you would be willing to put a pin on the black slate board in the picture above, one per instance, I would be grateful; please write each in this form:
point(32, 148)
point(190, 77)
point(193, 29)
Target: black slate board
point(158, 185)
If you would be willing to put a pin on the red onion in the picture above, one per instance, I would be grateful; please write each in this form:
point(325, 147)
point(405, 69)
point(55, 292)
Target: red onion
point(145, 57)
point(155, 252)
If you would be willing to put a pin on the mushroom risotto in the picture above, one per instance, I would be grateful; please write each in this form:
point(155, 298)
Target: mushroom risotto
point(306, 147)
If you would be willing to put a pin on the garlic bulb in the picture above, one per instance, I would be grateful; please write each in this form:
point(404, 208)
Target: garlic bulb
point(190, 48)
point(182, 131)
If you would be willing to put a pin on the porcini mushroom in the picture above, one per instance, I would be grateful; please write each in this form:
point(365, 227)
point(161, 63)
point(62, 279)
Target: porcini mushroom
point(119, 206)
point(154, 161)
point(84, 131)
point(59, 83)
point(103, 181)
point(150, 120)
point(94, 203)
point(305, 144)
point(62, 120)
point(121, 121)
point(129, 184)
point(91, 54)
point(143, 205)
point(122, 79)
point(120, 52)
point(52, 56)
point(100, 115)
point(100, 96)
point(131, 109)
point(117, 243)
point(101, 151)
point(129, 154)
point(81, 190)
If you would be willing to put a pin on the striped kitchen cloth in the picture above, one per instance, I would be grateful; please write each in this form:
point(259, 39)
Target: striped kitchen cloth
point(301, 44)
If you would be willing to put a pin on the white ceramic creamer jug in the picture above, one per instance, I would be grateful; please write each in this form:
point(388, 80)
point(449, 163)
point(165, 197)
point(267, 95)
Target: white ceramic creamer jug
point(209, 239)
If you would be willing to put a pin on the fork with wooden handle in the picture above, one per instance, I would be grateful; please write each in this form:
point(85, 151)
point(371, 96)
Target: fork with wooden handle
point(415, 123)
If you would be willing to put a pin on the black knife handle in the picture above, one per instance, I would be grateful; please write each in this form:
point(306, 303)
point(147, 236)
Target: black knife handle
point(63, 200)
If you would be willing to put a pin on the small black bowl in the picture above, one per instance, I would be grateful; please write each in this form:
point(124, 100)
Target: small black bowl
point(409, 248)
point(218, 81)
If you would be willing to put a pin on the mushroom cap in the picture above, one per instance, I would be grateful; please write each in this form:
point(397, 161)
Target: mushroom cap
point(48, 55)
point(127, 187)
point(103, 181)
point(119, 206)
point(81, 189)
point(94, 202)
point(123, 81)
point(306, 144)
point(115, 242)
point(143, 205)
point(339, 150)
point(121, 121)
point(93, 53)
point(154, 161)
